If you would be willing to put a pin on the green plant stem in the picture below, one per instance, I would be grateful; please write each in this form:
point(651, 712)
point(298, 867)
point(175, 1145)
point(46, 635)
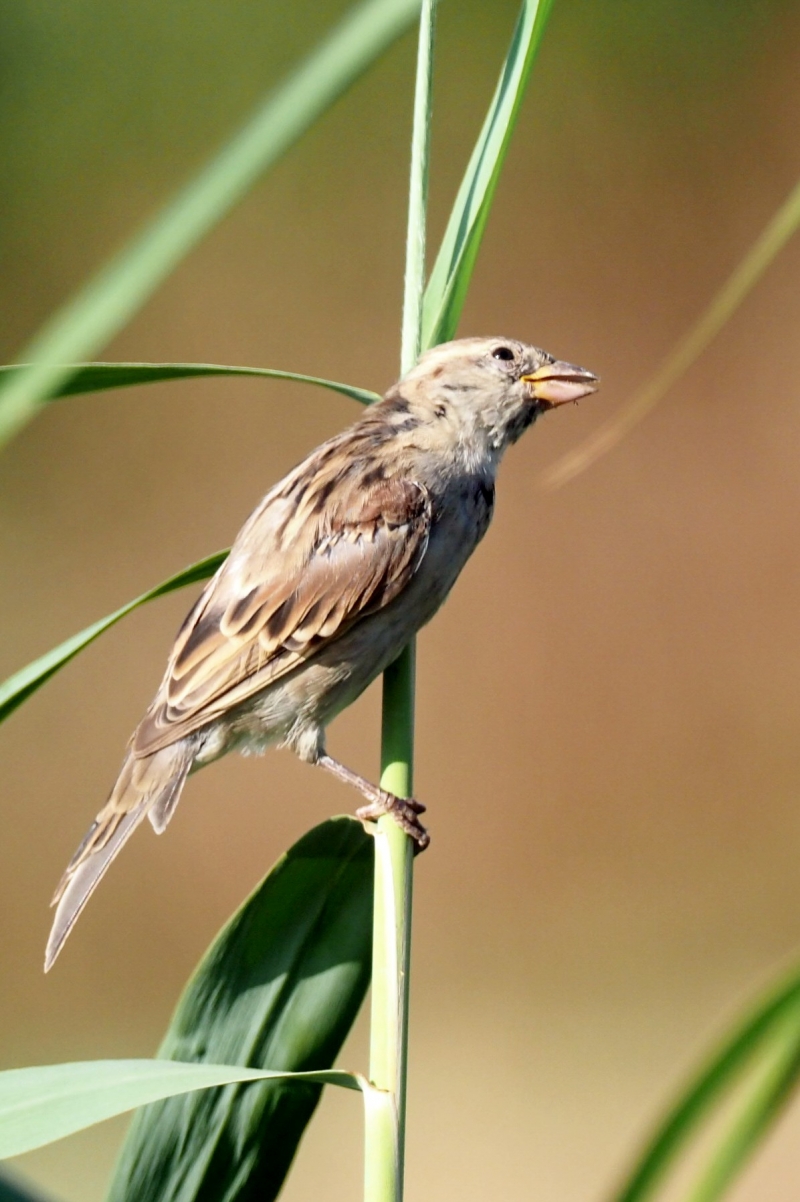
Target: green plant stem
point(391, 948)
point(414, 286)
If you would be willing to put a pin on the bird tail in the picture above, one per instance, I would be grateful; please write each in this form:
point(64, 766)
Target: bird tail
point(146, 785)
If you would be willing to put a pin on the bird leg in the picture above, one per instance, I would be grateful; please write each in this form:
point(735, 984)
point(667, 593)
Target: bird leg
point(404, 810)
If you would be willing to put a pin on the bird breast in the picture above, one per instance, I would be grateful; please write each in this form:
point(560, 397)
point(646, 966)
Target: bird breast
point(461, 517)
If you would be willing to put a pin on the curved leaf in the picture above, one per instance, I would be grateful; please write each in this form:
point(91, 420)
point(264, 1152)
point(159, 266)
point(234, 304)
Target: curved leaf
point(708, 1087)
point(40, 1105)
point(95, 377)
point(278, 989)
point(107, 302)
point(22, 684)
point(447, 287)
point(744, 1129)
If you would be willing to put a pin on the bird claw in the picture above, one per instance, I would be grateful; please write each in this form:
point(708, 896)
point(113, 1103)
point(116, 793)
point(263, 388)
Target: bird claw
point(405, 811)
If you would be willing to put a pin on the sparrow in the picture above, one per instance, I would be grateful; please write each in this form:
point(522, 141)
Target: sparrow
point(330, 577)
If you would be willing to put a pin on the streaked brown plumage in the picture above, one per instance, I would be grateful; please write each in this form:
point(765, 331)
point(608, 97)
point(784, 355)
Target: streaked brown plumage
point(333, 573)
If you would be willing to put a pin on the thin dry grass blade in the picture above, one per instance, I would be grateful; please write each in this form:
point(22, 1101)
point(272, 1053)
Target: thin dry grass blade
point(735, 289)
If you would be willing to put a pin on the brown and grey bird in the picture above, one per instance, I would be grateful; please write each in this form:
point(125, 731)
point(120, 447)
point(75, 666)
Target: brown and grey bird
point(336, 569)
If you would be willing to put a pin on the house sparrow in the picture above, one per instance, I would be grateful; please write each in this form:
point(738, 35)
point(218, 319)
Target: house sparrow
point(336, 569)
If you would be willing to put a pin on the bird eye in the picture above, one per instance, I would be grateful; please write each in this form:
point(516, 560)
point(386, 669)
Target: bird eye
point(502, 352)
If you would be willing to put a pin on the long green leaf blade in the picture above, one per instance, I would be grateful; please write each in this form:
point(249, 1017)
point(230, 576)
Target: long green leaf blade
point(745, 1129)
point(95, 377)
point(279, 989)
point(707, 1088)
point(42, 1104)
point(23, 684)
point(107, 302)
point(447, 287)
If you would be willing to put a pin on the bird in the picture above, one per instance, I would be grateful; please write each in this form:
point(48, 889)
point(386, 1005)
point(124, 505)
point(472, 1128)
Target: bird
point(330, 577)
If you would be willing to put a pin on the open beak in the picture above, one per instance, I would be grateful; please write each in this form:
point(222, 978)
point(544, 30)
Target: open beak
point(557, 383)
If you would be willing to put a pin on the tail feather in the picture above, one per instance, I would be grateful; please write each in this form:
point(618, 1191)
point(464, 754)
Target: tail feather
point(79, 886)
point(166, 803)
point(152, 785)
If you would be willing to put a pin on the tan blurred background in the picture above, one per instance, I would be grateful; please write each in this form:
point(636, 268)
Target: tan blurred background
point(608, 705)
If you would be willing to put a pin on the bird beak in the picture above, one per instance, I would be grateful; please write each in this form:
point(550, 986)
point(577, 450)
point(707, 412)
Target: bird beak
point(557, 383)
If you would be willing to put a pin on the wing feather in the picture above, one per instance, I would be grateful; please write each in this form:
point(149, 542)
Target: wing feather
point(323, 550)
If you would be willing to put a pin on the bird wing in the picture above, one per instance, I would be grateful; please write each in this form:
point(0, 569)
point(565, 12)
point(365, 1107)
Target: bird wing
point(334, 542)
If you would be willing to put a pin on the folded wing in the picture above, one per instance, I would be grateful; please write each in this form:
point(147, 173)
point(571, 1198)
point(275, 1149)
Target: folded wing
point(327, 547)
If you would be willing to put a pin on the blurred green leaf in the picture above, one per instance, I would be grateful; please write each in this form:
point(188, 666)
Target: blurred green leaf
point(447, 287)
point(743, 1130)
point(40, 1105)
point(94, 377)
point(14, 1189)
point(279, 988)
point(101, 308)
point(22, 684)
point(713, 1082)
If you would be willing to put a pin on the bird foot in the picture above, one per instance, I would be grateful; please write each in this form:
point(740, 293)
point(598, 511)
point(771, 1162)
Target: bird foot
point(405, 811)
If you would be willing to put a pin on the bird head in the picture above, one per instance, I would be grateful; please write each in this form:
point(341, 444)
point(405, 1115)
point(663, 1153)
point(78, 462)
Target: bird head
point(493, 388)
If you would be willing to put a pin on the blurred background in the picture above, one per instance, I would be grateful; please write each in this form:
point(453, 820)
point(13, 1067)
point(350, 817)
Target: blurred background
point(608, 705)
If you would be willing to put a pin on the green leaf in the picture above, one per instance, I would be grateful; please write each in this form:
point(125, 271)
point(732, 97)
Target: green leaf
point(279, 989)
point(94, 377)
point(447, 287)
point(43, 1104)
point(104, 305)
point(14, 1189)
point(744, 1129)
point(280, 986)
point(709, 1086)
point(22, 684)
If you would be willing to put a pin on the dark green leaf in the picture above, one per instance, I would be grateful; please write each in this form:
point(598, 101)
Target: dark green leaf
point(447, 287)
point(22, 684)
point(14, 1189)
point(279, 989)
point(94, 377)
